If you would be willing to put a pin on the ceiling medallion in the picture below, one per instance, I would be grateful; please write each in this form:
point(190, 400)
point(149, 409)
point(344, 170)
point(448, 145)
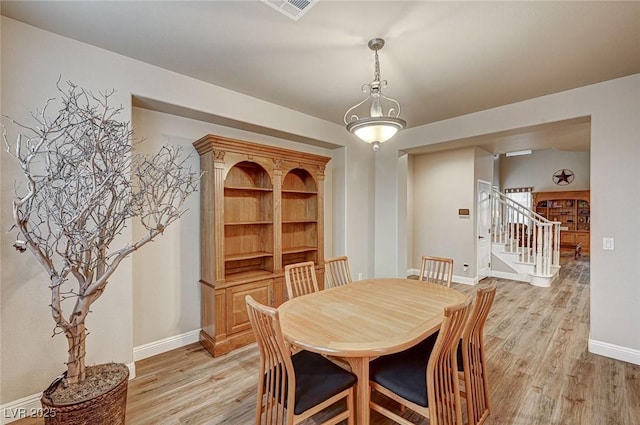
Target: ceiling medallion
point(563, 177)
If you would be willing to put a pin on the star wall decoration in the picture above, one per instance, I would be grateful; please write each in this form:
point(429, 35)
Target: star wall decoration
point(563, 177)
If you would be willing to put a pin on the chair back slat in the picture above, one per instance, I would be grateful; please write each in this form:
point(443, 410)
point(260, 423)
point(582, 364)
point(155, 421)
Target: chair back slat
point(437, 270)
point(473, 356)
point(337, 271)
point(300, 279)
point(442, 370)
point(276, 368)
point(322, 383)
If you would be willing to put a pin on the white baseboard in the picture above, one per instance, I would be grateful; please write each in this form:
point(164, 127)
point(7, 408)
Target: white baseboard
point(21, 408)
point(454, 278)
point(464, 280)
point(413, 272)
point(510, 276)
point(132, 370)
point(30, 405)
point(161, 346)
point(614, 351)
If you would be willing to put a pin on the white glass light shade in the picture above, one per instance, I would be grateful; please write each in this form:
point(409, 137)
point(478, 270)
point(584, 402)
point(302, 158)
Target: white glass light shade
point(377, 129)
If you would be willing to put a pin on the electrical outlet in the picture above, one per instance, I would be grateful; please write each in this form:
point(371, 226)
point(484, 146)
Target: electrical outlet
point(360, 276)
point(608, 244)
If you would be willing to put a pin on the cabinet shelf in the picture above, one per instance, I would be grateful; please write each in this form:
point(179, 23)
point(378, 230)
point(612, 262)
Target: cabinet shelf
point(296, 249)
point(302, 221)
point(299, 192)
point(247, 223)
point(247, 256)
point(247, 189)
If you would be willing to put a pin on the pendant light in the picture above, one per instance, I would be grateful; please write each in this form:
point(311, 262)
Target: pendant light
point(381, 124)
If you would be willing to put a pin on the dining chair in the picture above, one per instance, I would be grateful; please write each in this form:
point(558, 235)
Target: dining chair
point(424, 381)
point(436, 270)
point(294, 387)
point(337, 272)
point(300, 279)
point(474, 367)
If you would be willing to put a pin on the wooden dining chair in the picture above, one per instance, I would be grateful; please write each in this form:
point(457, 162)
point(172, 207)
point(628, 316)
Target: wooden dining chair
point(300, 279)
point(337, 272)
point(474, 367)
point(294, 387)
point(424, 380)
point(436, 270)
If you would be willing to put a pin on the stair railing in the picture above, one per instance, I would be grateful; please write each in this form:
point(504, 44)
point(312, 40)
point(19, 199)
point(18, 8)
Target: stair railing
point(522, 230)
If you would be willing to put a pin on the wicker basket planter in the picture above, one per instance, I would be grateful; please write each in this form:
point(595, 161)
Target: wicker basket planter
point(108, 408)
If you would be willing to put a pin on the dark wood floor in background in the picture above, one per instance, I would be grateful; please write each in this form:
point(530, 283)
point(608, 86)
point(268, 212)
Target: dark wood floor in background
point(539, 368)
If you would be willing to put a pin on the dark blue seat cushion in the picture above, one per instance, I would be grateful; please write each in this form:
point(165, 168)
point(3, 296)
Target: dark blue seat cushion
point(405, 373)
point(459, 357)
point(317, 379)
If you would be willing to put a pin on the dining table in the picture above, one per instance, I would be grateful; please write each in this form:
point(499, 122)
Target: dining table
point(365, 319)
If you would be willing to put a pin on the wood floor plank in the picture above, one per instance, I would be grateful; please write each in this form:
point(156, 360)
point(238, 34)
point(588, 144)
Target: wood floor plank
point(539, 369)
point(576, 387)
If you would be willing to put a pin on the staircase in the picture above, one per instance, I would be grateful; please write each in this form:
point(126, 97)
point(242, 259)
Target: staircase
point(524, 245)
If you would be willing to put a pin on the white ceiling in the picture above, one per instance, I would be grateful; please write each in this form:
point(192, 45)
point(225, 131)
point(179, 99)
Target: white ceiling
point(441, 59)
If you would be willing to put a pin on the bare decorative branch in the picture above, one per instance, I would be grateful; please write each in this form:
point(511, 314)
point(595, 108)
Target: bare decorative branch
point(84, 182)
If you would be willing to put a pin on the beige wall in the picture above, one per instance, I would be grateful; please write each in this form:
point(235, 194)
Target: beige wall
point(615, 207)
point(358, 233)
point(614, 108)
point(165, 293)
point(484, 166)
point(1, 223)
point(443, 182)
point(537, 169)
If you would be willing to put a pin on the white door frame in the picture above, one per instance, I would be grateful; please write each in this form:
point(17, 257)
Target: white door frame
point(483, 229)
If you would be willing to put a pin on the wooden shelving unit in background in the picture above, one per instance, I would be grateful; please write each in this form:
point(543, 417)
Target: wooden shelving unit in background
point(573, 210)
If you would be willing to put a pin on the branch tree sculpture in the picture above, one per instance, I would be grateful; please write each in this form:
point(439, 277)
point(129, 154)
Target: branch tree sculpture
point(84, 182)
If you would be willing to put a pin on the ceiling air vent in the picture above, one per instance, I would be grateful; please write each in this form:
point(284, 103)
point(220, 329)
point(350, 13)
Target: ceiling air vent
point(294, 9)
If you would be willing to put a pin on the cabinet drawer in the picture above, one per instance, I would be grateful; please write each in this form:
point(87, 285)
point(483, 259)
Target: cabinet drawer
point(567, 238)
point(237, 318)
point(582, 239)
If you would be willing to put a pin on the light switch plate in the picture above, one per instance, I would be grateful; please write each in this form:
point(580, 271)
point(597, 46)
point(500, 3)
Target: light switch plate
point(607, 244)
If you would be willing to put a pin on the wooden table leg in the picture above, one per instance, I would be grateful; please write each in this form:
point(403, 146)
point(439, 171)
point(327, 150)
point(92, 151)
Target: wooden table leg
point(360, 367)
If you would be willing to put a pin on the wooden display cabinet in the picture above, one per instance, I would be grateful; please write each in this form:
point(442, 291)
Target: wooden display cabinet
point(573, 210)
point(261, 209)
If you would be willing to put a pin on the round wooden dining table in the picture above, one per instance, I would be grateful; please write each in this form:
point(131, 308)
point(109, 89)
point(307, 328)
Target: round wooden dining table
point(366, 319)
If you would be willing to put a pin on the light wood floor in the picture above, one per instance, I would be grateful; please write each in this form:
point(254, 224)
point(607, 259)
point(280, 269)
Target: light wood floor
point(539, 368)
